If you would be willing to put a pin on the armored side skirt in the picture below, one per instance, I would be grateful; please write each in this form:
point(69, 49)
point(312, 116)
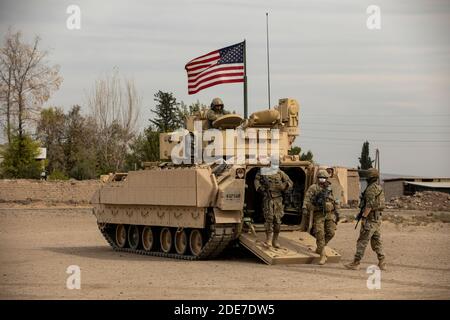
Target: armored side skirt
point(169, 216)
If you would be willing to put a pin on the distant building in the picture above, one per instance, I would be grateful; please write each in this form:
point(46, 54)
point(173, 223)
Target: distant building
point(345, 184)
point(353, 185)
point(396, 187)
point(42, 154)
point(41, 158)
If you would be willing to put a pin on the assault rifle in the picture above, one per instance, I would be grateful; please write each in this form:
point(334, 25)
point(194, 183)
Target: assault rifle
point(265, 186)
point(362, 205)
point(321, 198)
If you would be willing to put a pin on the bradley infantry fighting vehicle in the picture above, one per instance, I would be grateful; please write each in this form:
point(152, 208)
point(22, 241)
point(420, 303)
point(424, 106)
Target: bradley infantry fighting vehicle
point(195, 210)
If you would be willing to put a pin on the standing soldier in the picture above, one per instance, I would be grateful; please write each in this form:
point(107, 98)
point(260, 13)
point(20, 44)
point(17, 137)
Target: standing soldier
point(372, 205)
point(216, 111)
point(273, 183)
point(321, 206)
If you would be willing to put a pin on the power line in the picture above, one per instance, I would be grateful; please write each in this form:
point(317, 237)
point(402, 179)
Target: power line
point(375, 125)
point(387, 132)
point(375, 115)
point(375, 140)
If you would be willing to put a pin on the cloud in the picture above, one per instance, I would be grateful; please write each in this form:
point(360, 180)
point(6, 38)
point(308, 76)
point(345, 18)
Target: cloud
point(321, 53)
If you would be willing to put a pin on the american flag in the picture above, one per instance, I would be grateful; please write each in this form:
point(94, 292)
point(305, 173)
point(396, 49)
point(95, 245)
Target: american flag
point(225, 65)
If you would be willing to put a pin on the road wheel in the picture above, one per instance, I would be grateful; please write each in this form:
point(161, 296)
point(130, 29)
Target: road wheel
point(133, 237)
point(180, 241)
point(147, 238)
point(166, 240)
point(121, 235)
point(196, 242)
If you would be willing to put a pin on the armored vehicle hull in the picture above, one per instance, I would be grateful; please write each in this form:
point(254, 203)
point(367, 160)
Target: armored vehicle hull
point(175, 212)
point(194, 211)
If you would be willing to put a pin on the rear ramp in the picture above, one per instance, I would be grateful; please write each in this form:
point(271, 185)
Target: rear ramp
point(296, 248)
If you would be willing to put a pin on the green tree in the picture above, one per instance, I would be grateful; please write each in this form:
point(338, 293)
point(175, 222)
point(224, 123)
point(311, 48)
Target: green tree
point(80, 147)
point(144, 147)
point(19, 158)
point(185, 111)
point(51, 132)
point(308, 156)
point(365, 161)
point(168, 116)
point(295, 151)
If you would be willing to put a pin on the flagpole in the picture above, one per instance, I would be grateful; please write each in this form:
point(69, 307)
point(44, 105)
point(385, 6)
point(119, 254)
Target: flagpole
point(245, 82)
point(268, 69)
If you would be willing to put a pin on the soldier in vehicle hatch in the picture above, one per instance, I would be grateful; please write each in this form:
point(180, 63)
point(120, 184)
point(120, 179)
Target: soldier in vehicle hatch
point(216, 110)
point(273, 183)
point(321, 205)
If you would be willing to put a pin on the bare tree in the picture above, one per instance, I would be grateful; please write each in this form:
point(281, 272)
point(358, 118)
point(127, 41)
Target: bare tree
point(6, 82)
point(26, 80)
point(115, 105)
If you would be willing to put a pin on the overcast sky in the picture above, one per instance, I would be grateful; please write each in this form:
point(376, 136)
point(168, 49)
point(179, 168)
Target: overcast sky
point(390, 86)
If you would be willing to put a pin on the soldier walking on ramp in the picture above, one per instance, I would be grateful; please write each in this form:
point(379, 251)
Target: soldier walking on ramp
point(273, 183)
point(321, 205)
point(371, 206)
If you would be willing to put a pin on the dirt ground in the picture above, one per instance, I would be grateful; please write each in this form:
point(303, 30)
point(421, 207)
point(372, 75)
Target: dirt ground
point(37, 246)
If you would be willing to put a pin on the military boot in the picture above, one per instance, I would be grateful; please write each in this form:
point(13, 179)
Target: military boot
point(268, 239)
point(382, 264)
point(323, 257)
point(275, 242)
point(354, 265)
point(276, 233)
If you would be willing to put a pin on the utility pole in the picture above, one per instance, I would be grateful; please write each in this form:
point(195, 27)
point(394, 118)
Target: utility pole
point(268, 62)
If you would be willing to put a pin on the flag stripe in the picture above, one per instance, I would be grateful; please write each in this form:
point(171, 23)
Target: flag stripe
point(209, 59)
point(216, 83)
point(203, 56)
point(215, 70)
point(201, 66)
point(215, 76)
point(214, 80)
point(197, 73)
point(225, 65)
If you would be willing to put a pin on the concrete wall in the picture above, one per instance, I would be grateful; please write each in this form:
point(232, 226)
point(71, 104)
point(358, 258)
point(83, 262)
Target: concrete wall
point(51, 191)
point(393, 189)
point(353, 186)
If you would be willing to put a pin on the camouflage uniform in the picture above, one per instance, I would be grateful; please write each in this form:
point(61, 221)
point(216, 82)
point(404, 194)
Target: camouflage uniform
point(324, 219)
point(273, 186)
point(214, 113)
point(373, 197)
point(372, 205)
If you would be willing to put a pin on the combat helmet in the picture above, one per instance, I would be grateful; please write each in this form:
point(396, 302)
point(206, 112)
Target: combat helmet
point(323, 174)
point(372, 173)
point(216, 102)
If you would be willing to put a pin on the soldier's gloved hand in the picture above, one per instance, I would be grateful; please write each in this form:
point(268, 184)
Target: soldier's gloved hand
point(363, 221)
point(337, 216)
